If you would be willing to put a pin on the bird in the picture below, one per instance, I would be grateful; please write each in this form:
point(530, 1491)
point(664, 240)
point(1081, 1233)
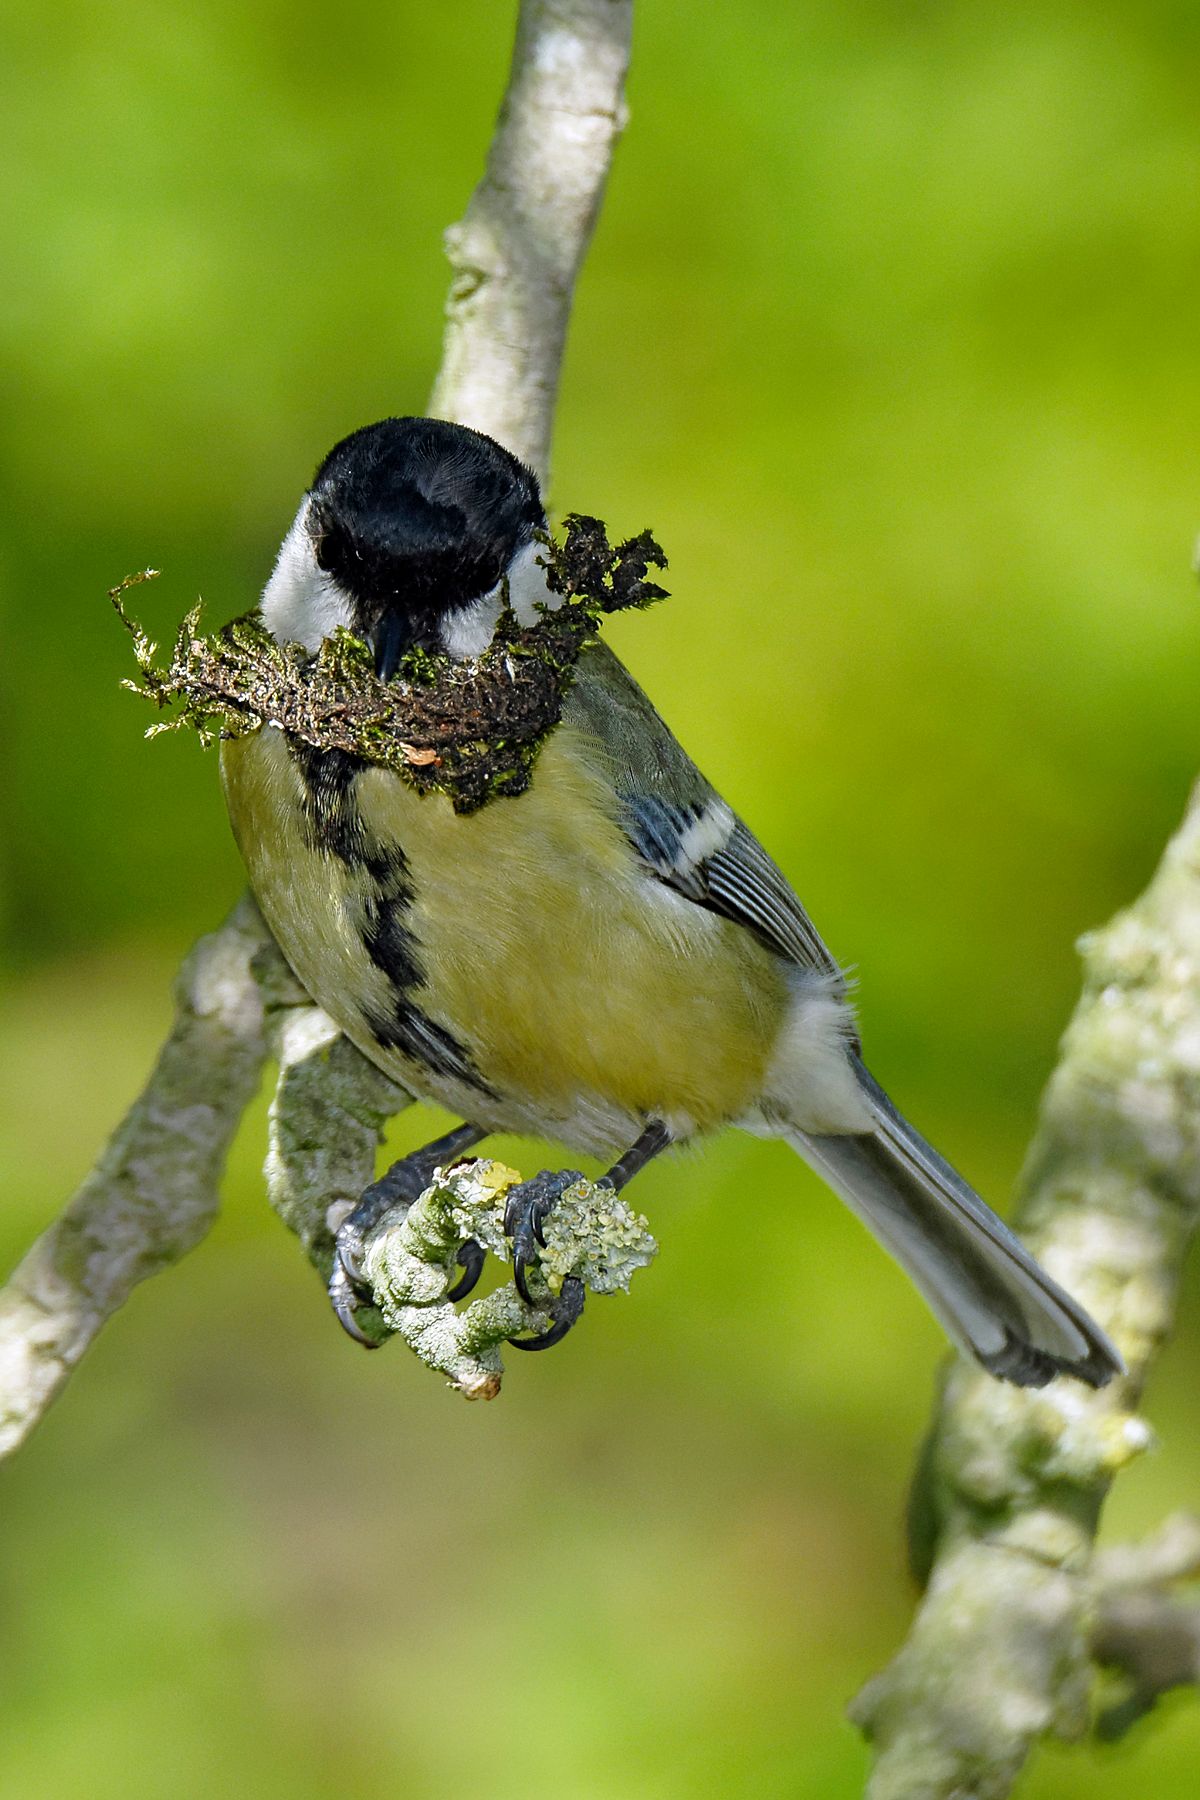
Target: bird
point(608, 960)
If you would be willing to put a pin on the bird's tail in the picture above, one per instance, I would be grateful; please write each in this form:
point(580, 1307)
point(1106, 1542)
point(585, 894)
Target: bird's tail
point(977, 1278)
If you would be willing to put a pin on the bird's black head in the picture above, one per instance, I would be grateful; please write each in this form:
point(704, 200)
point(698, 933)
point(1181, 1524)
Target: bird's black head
point(414, 519)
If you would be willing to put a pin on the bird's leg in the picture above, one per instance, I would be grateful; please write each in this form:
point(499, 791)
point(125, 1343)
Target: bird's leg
point(656, 1137)
point(525, 1214)
point(403, 1184)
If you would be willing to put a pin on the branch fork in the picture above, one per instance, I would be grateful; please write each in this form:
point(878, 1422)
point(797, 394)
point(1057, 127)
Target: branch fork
point(1017, 1614)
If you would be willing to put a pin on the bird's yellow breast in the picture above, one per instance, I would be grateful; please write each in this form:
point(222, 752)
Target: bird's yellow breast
point(579, 986)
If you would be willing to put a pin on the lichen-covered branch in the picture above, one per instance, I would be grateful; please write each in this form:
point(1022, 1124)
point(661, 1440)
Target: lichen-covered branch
point(153, 1192)
point(327, 1119)
point(411, 1263)
point(1012, 1482)
point(1145, 1634)
point(518, 249)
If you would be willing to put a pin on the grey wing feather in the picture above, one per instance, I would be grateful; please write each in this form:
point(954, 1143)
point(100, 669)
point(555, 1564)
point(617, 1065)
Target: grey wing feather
point(980, 1281)
point(744, 884)
point(678, 823)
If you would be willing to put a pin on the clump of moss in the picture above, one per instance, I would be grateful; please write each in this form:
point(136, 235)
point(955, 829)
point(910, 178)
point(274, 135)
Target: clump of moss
point(471, 729)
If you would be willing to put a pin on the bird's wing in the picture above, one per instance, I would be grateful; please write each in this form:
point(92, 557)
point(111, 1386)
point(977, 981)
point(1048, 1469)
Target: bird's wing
point(678, 823)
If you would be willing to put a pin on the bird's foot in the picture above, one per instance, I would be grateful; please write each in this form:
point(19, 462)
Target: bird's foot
point(350, 1293)
point(525, 1213)
point(565, 1310)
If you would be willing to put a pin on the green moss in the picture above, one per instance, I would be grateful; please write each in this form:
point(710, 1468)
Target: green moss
point(471, 729)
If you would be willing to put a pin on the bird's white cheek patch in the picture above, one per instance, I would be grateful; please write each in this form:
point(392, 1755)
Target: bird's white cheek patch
point(468, 631)
point(527, 590)
point(300, 603)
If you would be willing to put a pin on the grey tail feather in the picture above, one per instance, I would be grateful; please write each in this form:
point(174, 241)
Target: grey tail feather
point(978, 1279)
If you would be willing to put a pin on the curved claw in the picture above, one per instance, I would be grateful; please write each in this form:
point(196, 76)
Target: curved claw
point(349, 1252)
point(566, 1313)
point(513, 1208)
point(345, 1300)
point(519, 1267)
point(470, 1260)
point(525, 1214)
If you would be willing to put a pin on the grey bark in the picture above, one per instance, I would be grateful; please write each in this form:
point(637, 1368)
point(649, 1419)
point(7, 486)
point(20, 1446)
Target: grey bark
point(1012, 1482)
point(153, 1193)
point(1016, 1613)
point(517, 250)
point(327, 1118)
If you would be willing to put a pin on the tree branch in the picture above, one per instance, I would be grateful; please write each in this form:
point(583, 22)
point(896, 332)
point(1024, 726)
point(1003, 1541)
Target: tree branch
point(1012, 1482)
point(327, 1119)
point(1015, 1611)
point(411, 1263)
point(153, 1193)
point(519, 247)
point(1143, 1632)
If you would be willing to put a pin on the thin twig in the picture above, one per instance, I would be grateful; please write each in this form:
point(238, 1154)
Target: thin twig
point(153, 1193)
point(519, 247)
point(1146, 1634)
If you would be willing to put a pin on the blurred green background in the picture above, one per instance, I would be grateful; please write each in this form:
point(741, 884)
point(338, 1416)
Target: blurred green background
point(889, 331)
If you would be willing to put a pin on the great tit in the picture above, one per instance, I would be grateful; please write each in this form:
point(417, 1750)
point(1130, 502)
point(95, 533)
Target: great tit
point(608, 959)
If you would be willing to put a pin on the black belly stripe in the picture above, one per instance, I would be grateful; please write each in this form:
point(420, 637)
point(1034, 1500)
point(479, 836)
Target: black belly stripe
point(332, 821)
point(407, 1029)
point(390, 944)
point(334, 826)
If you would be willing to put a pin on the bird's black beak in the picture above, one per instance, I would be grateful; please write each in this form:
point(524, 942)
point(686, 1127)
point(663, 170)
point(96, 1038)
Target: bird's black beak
point(391, 640)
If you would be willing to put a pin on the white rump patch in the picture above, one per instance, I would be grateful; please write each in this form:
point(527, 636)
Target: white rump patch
point(810, 1081)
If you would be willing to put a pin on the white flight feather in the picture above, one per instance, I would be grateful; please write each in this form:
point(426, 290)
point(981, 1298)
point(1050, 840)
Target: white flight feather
point(704, 836)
